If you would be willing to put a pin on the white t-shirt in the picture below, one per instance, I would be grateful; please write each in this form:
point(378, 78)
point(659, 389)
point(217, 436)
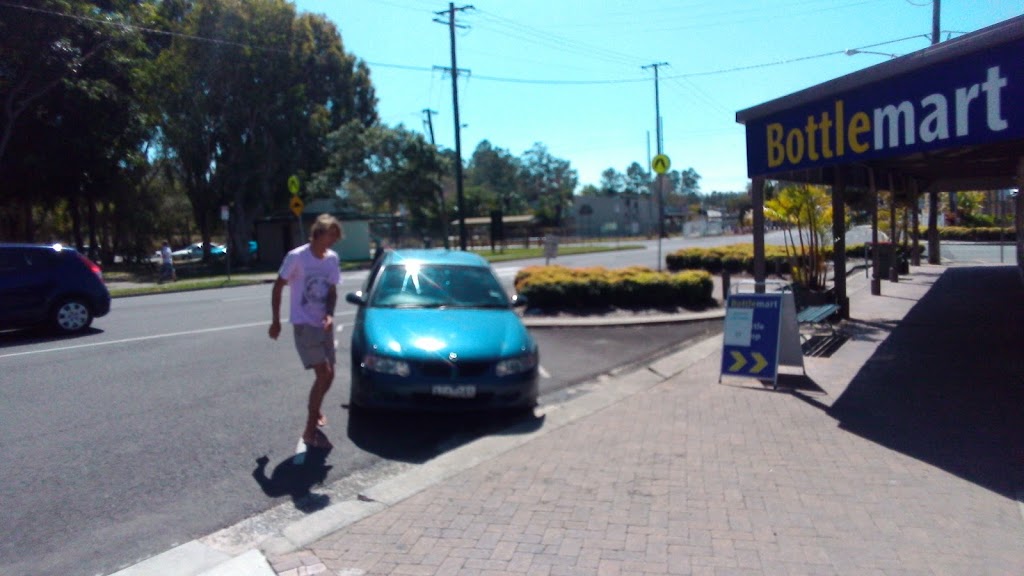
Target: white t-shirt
point(309, 280)
point(165, 254)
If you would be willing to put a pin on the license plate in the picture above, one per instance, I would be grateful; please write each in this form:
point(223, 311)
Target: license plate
point(464, 391)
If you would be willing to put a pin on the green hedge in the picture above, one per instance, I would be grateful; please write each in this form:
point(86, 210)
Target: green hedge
point(598, 287)
point(739, 258)
point(984, 234)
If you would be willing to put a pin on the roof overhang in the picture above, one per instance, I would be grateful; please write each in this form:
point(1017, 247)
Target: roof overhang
point(949, 116)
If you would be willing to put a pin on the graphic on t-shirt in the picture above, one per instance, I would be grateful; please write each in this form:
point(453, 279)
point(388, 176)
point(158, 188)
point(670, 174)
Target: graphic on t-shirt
point(314, 294)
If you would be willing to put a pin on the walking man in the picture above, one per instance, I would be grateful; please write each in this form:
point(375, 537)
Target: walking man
point(166, 263)
point(312, 272)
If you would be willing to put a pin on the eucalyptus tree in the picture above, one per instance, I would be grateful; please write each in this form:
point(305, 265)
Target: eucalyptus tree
point(386, 170)
point(247, 95)
point(70, 124)
point(547, 183)
point(494, 171)
point(612, 182)
point(637, 180)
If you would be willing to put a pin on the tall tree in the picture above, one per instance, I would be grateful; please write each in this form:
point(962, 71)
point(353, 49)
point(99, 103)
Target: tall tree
point(494, 171)
point(612, 182)
point(67, 90)
point(637, 180)
point(391, 170)
point(249, 94)
point(548, 184)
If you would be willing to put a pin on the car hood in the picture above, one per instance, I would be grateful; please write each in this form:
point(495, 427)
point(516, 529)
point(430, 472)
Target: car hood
point(470, 334)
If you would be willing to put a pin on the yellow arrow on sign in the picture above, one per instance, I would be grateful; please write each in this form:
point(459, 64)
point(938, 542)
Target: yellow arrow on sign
point(759, 362)
point(296, 205)
point(740, 361)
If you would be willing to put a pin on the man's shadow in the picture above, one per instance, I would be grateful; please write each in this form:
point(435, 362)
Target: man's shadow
point(295, 476)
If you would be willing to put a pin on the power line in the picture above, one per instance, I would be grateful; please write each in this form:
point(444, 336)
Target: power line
point(545, 38)
point(142, 28)
point(478, 76)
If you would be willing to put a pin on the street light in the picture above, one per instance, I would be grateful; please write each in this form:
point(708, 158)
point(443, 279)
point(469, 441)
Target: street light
point(852, 51)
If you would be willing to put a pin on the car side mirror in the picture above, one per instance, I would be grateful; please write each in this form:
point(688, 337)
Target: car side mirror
point(356, 298)
point(518, 300)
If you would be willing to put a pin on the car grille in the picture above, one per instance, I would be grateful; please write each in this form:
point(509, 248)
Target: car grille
point(456, 371)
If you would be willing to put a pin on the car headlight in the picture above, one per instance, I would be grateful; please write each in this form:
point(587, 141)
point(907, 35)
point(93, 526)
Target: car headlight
point(516, 365)
point(386, 365)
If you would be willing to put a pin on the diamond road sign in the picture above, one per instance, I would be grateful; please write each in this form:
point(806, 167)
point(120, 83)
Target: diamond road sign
point(661, 163)
point(296, 205)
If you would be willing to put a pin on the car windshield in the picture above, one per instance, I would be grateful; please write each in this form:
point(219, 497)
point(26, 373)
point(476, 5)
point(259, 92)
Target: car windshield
point(419, 285)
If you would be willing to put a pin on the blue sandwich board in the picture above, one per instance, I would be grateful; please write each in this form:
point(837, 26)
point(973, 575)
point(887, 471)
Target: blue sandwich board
point(751, 340)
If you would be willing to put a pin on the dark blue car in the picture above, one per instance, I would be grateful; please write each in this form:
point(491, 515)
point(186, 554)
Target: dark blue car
point(436, 330)
point(49, 285)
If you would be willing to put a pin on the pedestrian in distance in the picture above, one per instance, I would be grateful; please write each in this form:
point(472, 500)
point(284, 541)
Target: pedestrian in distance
point(166, 263)
point(312, 273)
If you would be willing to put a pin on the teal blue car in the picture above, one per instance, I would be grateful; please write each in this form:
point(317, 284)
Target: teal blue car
point(435, 330)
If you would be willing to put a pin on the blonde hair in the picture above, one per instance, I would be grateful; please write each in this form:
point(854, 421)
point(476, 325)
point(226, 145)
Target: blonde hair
point(323, 224)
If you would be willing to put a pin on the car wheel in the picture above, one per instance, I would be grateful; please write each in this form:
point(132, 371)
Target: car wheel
point(71, 315)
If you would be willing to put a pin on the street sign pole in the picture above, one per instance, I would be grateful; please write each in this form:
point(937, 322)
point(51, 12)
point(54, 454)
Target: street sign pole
point(661, 164)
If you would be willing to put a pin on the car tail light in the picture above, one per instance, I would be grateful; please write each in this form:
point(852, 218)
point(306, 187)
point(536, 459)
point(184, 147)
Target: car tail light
point(92, 266)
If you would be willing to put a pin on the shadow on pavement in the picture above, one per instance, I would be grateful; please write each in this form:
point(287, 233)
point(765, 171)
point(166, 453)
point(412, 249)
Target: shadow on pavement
point(295, 476)
point(39, 335)
point(947, 386)
point(416, 437)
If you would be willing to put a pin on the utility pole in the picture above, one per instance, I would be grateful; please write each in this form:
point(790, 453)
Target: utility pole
point(430, 124)
point(658, 142)
point(657, 103)
point(936, 11)
point(458, 127)
point(444, 211)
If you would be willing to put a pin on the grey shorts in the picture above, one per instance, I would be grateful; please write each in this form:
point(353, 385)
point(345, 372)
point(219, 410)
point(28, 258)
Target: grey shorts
point(314, 344)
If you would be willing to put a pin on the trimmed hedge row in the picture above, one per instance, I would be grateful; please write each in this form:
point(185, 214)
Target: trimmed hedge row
point(598, 287)
point(985, 234)
point(739, 258)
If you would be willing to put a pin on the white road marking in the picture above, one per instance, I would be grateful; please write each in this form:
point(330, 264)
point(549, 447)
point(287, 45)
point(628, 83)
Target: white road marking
point(543, 373)
point(151, 337)
point(506, 271)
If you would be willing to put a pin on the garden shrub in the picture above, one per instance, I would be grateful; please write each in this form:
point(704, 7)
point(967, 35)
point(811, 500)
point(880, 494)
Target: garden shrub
point(597, 287)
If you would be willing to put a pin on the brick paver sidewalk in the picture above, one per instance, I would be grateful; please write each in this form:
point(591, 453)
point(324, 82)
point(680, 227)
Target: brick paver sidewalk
point(690, 476)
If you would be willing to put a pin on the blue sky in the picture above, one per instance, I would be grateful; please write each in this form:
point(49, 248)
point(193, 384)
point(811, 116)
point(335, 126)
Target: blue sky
point(568, 73)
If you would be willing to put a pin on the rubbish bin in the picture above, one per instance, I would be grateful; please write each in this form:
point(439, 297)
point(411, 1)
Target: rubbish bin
point(885, 256)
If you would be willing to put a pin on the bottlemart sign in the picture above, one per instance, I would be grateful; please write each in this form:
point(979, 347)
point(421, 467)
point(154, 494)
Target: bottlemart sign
point(971, 100)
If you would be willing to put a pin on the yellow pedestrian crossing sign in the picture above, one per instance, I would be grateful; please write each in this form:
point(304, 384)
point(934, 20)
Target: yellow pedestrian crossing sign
point(296, 205)
point(293, 184)
point(661, 163)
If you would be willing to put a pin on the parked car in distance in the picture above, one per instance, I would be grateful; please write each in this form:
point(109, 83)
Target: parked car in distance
point(194, 251)
point(435, 330)
point(49, 285)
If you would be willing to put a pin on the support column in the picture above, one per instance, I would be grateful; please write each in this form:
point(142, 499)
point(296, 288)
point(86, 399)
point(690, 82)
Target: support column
point(839, 242)
point(934, 257)
point(757, 207)
point(915, 253)
point(894, 271)
point(1018, 219)
point(876, 261)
